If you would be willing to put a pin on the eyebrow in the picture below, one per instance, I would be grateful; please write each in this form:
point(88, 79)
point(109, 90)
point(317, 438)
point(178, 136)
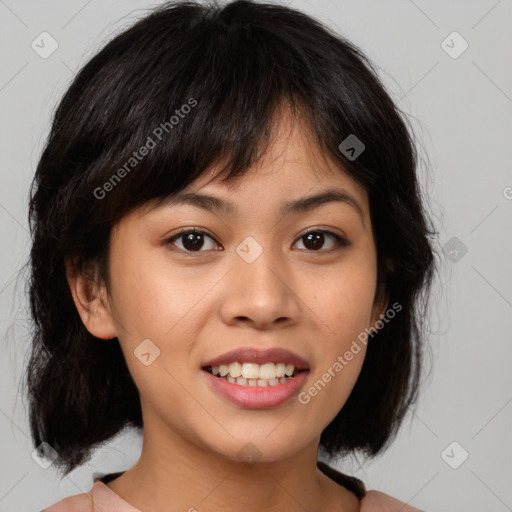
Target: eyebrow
point(301, 205)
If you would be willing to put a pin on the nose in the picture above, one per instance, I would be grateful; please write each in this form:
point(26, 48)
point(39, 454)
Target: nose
point(262, 293)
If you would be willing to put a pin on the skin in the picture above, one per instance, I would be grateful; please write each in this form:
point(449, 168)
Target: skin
point(312, 301)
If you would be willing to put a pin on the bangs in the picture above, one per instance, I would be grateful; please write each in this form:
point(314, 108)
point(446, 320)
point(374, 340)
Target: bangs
point(165, 103)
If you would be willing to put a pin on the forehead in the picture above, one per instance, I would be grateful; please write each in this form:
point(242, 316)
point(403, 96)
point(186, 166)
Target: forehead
point(292, 175)
point(292, 165)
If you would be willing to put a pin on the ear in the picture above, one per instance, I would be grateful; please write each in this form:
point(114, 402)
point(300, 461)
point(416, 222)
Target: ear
point(91, 301)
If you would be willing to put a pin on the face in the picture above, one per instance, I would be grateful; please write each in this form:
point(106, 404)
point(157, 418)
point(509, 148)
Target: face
point(250, 277)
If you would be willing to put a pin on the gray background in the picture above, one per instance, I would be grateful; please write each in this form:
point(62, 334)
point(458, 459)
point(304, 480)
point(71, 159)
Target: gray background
point(461, 110)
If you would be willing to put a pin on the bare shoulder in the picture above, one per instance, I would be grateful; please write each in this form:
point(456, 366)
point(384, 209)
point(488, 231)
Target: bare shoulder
point(376, 501)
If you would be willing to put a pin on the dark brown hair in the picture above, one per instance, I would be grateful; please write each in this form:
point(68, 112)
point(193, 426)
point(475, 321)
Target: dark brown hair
point(239, 63)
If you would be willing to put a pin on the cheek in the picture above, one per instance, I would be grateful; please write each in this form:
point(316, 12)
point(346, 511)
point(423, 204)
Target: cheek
point(344, 306)
point(330, 386)
point(150, 296)
point(345, 300)
point(157, 302)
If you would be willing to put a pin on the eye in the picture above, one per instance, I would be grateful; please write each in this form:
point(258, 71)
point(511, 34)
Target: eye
point(193, 240)
point(315, 239)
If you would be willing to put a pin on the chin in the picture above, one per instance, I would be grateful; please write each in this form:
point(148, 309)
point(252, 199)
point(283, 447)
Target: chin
point(261, 449)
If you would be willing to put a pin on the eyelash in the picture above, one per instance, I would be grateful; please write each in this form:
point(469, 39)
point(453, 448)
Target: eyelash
point(340, 241)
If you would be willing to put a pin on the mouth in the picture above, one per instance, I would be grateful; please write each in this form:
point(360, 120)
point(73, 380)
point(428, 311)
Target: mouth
point(256, 390)
point(254, 374)
point(256, 367)
point(255, 378)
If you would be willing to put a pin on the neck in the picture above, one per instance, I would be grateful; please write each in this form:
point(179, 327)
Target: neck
point(174, 474)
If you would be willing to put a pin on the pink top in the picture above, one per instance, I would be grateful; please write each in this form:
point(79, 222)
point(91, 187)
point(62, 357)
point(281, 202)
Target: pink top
point(102, 499)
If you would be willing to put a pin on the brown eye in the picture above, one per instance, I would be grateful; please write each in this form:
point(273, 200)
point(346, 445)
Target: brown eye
point(314, 240)
point(191, 240)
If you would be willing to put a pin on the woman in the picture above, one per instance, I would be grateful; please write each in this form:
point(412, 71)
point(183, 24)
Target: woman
point(229, 251)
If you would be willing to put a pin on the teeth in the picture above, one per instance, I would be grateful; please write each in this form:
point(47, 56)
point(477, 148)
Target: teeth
point(267, 371)
point(280, 368)
point(250, 370)
point(254, 371)
point(255, 383)
point(253, 374)
point(235, 370)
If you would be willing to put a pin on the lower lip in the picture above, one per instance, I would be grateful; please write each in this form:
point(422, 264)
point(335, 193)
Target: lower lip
point(255, 397)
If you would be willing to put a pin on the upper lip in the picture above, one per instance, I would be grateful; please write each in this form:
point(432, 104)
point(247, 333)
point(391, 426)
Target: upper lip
point(260, 356)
